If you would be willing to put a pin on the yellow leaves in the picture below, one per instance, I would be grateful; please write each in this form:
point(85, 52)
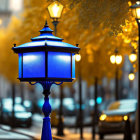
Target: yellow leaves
point(127, 40)
point(90, 23)
point(134, 45)
point(9, 61)
point(129, 3)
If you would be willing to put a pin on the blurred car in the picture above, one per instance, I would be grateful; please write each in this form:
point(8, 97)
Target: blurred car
point(21, 116)
point(26, 103)
point(68, 105)
point(113, 119)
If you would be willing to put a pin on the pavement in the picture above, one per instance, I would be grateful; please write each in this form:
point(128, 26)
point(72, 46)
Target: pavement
point(69, 134)
point(7, 135)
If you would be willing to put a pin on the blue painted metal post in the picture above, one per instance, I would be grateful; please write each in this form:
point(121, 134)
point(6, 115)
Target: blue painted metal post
point(46, 129)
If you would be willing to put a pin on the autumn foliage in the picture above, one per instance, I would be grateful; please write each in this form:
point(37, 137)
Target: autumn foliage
point(98, 26)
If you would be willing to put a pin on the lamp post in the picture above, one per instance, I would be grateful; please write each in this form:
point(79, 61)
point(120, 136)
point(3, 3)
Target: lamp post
point(46, 60)
point(116, 59)
point(95, 114)
point(80, 115)
point(55, 11)
point(136, 12)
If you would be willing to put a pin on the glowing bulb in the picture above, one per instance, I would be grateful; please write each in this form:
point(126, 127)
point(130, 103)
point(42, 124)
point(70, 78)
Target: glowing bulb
point(125, 118)
point(55, 10)
point(138, 2)
point(132, 57)
point(103, 117)
point(131, 76)
point(0, 21)
point(138, 12)
point(118, 59)
point(77, 57)
point(113, 59)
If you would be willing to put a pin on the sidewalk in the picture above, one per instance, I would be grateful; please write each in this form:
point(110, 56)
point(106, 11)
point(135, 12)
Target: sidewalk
point(7, 135)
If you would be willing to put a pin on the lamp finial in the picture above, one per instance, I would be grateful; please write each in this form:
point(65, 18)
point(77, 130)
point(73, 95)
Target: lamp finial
point(77, 45)
point(46, 24)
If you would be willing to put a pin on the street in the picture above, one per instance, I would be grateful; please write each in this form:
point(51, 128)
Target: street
point(35, 132)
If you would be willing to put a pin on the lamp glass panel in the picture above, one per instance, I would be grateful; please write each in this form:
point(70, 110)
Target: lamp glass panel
point(73, 65)
point(118, 59)
point(34, 65)
point(59, 65)
point(138, 13)
point(113, 59)
point(55, 9)
point(19, 65)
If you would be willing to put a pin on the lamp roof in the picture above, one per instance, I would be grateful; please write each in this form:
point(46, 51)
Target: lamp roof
point(46, 41)
point(137, 5)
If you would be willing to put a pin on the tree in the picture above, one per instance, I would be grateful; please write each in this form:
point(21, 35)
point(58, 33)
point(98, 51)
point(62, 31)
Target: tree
point(97, 26)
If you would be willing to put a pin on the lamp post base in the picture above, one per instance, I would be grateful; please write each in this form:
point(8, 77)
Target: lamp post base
point(46, 109)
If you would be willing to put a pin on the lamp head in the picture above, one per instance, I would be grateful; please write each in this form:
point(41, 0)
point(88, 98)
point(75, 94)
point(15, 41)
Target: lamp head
point(136, 10)
point(116, 58)
point(55, 10)
point(133, 56)
point(77, 57)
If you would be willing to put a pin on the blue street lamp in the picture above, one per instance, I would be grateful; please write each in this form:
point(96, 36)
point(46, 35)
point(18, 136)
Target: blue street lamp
point(46, 60)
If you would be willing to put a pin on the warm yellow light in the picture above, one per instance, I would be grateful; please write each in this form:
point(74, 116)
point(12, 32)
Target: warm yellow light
point(133, 57)
point(125, 118)
point(138, 13)
point(77, 57)
point(118, 59)
point(55, 9)
point(113, 59)
point(131, 76)
point(136, 10)
point(0, 21)
point(103, 117)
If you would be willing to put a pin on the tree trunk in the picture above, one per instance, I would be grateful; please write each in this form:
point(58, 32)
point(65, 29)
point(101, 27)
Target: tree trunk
point(60, 123)
point(95, 109)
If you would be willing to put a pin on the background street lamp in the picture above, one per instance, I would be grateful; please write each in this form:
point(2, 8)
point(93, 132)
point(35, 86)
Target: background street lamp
point(133, 56)
point(116, 59)
point(46, 60)
point(80, 114)
point(131, 76)
point(136, 12)
point(55, 10)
